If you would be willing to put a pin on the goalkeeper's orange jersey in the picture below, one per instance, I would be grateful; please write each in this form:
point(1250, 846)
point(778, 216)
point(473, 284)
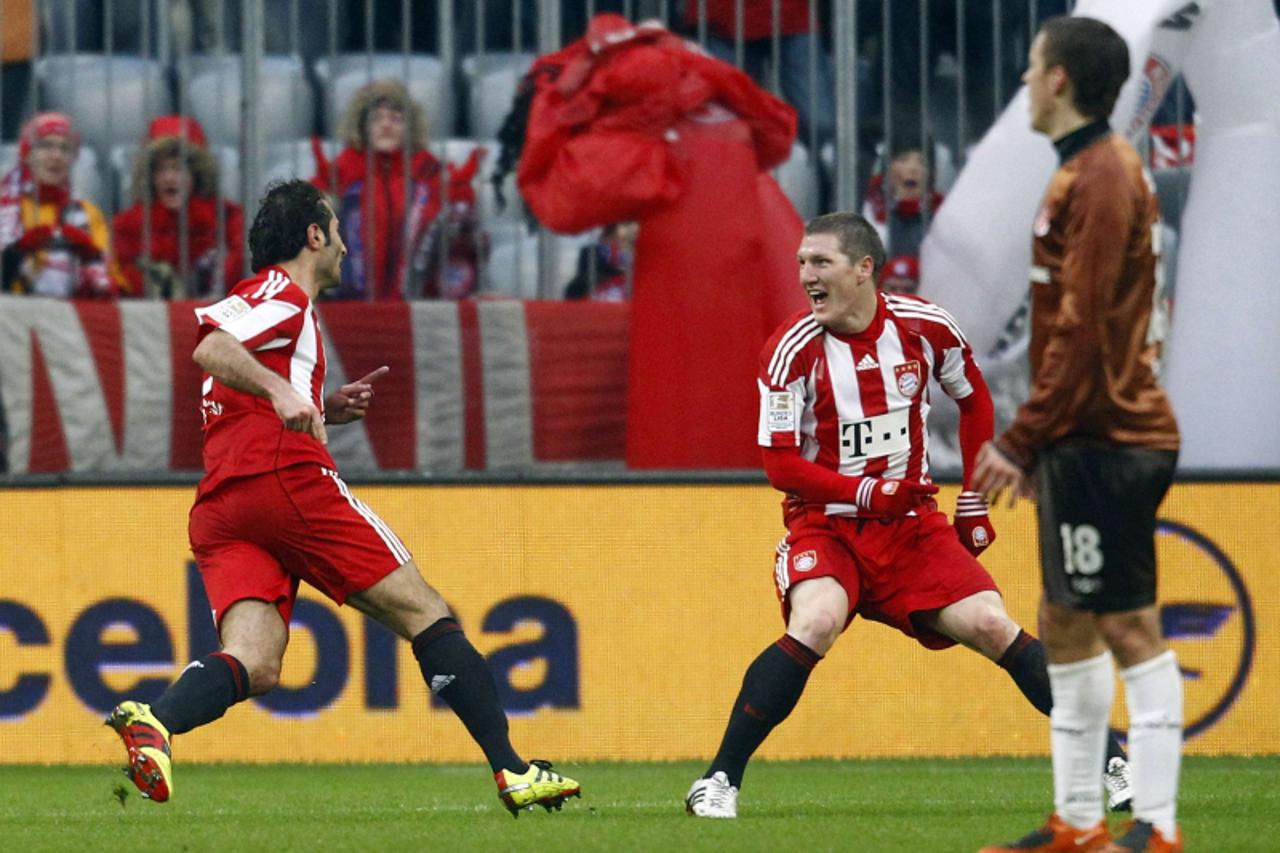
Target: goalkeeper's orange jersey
point(1094, 350)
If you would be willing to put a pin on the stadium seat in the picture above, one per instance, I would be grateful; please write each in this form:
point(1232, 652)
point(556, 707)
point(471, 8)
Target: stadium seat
point(293, 159)
point(491, 80)
point(457, 150)
point(799, 181)
point(513, 261)
point(86, 175)
point(285, 106)
point(513, 266)
point(121, 167)
point(427, 80)
point(110, 99)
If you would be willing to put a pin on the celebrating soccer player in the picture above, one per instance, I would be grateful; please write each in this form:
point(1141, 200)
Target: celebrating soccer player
point(843, 406)
point(271, 511)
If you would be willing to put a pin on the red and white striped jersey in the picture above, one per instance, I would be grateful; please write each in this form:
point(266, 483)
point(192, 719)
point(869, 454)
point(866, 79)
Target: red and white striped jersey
point(859, 404)
point(274, 319)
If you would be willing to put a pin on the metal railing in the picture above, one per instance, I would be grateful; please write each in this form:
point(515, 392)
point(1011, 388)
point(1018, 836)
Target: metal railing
point(868, 77)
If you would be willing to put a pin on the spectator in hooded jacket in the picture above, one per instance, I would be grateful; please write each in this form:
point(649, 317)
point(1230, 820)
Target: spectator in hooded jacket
point(175, 180)
point(387, 186)
point(51, 244)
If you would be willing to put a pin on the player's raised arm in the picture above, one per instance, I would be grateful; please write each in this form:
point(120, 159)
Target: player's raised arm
point(225, 359)
point(351, 401)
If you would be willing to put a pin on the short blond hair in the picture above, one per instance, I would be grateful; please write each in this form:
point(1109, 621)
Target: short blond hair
point(854, 234)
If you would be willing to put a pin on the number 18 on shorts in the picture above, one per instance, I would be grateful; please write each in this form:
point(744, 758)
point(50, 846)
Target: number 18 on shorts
point(1097, 511)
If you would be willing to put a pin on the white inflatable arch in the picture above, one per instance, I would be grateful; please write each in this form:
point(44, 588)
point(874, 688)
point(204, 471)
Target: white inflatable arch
point(1222, 364)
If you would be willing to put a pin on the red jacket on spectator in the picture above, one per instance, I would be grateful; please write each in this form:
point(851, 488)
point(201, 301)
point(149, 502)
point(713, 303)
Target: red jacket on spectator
point(175, 170)
point(372, 216)
point(202, 244)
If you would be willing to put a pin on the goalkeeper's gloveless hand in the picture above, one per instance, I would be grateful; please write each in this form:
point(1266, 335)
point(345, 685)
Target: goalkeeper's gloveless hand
point(892, 497)
point(972, 523)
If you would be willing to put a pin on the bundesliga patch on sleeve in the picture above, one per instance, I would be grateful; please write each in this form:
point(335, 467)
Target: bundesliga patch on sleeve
point(782, 411)
point(227, 311)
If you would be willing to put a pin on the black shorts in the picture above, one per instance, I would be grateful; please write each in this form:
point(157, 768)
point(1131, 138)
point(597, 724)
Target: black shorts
point(1097, 515)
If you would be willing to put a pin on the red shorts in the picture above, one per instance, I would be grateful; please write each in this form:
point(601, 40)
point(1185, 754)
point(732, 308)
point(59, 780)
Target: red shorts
point(891, 571)
point(256, 537)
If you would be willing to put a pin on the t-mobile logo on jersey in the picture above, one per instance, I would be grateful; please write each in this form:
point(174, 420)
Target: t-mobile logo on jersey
point(882, 435)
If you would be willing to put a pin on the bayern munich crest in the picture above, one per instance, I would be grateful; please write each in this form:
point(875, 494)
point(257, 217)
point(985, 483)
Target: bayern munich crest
point(805, 561)
point(908, 376)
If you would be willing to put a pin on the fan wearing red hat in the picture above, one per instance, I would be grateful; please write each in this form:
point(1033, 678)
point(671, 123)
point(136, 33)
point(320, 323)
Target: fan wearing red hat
point(175, 180)
point(51, 244)
point(900, 274)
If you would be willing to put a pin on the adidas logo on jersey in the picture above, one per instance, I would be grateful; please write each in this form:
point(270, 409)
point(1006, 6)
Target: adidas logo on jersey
point(867, 363)
point(440, 682)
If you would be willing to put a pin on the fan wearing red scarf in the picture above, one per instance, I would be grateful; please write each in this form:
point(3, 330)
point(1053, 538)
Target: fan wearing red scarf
point(51, 244)
point(175, 181)
point(902, 201)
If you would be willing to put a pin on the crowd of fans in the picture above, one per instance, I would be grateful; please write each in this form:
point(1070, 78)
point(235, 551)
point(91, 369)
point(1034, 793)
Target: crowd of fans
point(411, 220)
point(179, 239)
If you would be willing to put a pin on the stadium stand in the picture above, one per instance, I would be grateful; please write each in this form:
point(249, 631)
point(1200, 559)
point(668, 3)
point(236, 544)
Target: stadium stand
point(491, 80)
point(799, 181)
point(110, 98)
point(294, 159)
point(284, 100)
point(426, 78)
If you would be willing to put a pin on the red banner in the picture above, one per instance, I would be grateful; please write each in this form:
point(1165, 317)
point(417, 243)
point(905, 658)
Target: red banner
point(489, 384)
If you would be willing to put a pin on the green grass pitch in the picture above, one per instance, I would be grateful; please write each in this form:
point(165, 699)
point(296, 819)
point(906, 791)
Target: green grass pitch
point(1227, 804)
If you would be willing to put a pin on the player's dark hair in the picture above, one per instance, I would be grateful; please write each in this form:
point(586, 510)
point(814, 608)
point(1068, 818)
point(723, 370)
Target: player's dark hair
point(856, 236)
point(280, 227)
point(1095, 57)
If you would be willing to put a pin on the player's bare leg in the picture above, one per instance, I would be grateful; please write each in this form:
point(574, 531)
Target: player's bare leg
point(254, 637)
point(981, 623)
point(254, 633)
point(453, 669)
point(770, 690)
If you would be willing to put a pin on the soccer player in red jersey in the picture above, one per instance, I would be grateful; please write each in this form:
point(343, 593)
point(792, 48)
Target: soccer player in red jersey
point(843, 408)
point(271, 511)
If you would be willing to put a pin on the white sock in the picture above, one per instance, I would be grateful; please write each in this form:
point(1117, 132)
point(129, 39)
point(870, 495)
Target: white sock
point(1153, 691)
point(1082, 695)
